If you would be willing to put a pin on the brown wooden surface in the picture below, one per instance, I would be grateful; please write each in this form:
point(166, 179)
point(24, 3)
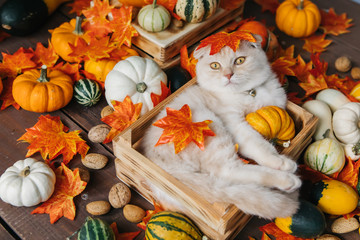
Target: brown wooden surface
point(13, 124)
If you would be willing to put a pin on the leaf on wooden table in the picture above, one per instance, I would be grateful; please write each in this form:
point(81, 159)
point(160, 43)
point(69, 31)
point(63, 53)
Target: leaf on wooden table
point(334, 24)
point(221, 39)
point(273, 230)
point(77, 6)
point(316, 43)
point(319, 67)
point(288, 52)
point(179, 129)
point(186, 62)
point(123, 236)
point(268, 5)
point(345, 85)
point(70, 69)
point(45, 56)
point(149, 214)
point(19, 61)
point(313, 84)
point(231, 4)
point(349, 174)
point(50, 137)
point(98, 23)
point(122, 27)
point(68, 185)
point(165, 92)
point(96, 49)
point(6, 95)
point(282, 66)
point(302, 69)
point(125, 113)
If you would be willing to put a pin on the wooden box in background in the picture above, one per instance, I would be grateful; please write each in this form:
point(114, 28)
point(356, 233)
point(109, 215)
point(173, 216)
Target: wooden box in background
point(218, 220)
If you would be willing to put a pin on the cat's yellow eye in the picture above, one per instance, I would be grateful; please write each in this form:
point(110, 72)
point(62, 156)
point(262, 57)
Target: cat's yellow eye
point(215, 65)
point(239, 60)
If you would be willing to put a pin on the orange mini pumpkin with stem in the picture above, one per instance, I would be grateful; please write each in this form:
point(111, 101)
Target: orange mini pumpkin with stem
point(42, 91)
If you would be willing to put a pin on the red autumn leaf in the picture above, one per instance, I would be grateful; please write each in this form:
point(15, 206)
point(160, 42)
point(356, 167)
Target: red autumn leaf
point(265, 237)
point(179, 129)
point(293, 97)
point(68, 185)
point(78, 6)
point(149, 214)
point(273, 230)
point(319, 67)
point(345, 85)
point(222, 39)
point(96, 49)
point(3, 35)
point(123, 236)
point(98, 18)
point(168, 4)
point(283, 65)
point(231, 4)
point(165, 92)
point(312, 175)
point(313, 84)
point(331, 23)
point(117, 54)
point(302, 69)
point(349, 174)
point(316, 43)
point(125, 113)
point(51, 138)
point(186, 62)
point(352, 214)
point(45, 56)
point(6, 95)
point(70, 69)
point(268, 5)
point(18, 61)
point(123, 30)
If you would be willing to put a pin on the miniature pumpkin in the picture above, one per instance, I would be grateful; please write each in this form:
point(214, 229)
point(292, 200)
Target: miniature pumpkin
point(273, 123)
point(194, 11)
point(27, 183)
point(135, 3)
point(94, 228)
point(68, 32)
point(257, 27)
point(326, 156)
point(154, 18)
point(87, 92)
point(298, 18)
point(42, 91)
point(137, 78)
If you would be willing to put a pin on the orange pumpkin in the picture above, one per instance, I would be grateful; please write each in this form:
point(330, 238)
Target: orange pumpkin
point(68, 32)
point(257, 28)
point(274, 123)
point(42, 91)
point(135, 3)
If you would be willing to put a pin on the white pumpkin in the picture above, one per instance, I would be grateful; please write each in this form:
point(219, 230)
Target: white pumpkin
point(326, 156)
point(27, 183)
point(137, 78)
point(332, 97)
point(346, 123)
point(154, 18)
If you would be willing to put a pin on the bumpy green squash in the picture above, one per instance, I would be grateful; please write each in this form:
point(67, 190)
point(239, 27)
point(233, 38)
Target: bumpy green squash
point(194, 11)
point(95, 229)
point(87, 92)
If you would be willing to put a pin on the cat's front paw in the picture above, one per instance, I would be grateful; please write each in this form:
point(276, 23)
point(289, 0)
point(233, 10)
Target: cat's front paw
point(283, 163)
point(290, 183)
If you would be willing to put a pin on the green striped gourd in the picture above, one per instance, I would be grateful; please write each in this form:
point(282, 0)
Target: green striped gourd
point(95, 229)
point(154, 18)
point(195, 11)
point(171, 225)
point(87, 92)
point(326, 155)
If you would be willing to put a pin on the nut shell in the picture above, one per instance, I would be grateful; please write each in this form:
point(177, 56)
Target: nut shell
point(342, 225)
point(355, 73)
point(119, 195)
point(98, 207)
point(328, 237)
point(343, 64)
point(106, 111)
point(133, 213)
point(98, 133)
point(94, 161)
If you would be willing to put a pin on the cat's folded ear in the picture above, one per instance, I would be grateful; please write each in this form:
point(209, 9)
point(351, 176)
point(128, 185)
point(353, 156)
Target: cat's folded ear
point(258, 42)
point(199, 53)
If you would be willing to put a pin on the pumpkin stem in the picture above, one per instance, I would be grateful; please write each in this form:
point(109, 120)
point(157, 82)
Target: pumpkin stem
point(356, 148)
point(141, 87)
point(43, 74)
point(154, 3)
point(78, 29)
point(301, 5)
point(25, 171)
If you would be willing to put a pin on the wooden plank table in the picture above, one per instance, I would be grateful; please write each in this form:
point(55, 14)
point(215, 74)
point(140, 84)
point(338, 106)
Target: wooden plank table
point(19, 223)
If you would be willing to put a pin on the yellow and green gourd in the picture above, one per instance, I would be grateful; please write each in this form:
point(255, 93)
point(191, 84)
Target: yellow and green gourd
point(194, 11)
point(154, 17)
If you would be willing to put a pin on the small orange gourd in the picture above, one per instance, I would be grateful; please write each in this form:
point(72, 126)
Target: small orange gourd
point(42, 91)
point(298, 18)
point(274, 123)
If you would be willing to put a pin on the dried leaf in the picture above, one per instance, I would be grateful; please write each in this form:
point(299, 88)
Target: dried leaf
point(316, 43)
point(231, 4)
point(78, 6)
point(149, 214)
point(18, 61)
point(51, 138)
point(45, 56)
point(345, 85)
point(165, 92)
point(302, 69)
point(283, 65)
point(265, 237)
point(222, 39)
point(123, 29)
point(319, 67)
point(312, 175)
point(313, 84)
point(123, 236)
point(179, 129)
point(98, 23)
point(6, 94)
point(334, 24)
point(125, 113)
point(68, 185)
point(268, 5)
point(273, 230)
point(293, 97)
point(70, 69)
point(95, 49)
point(186, 62)
point(349, 174)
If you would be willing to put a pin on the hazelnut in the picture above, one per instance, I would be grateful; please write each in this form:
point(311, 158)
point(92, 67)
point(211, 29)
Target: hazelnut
point(106, 111)
point(343, 64)
point(355, 73)
point(178, 23)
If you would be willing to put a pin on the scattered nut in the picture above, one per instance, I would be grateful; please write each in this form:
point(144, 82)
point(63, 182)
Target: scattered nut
point(343, 64)
point(98, 207)
point(355, 73)
point(98, 133)
point(342, 225)
point(84, 174)
point(106, 111)
point(133, 213)
point(328, 237)
point(178, 23)
point(119, 195)
point(94, 161)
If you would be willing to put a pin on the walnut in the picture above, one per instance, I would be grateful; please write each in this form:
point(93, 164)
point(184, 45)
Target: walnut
point(343, 64)
point(355, 73)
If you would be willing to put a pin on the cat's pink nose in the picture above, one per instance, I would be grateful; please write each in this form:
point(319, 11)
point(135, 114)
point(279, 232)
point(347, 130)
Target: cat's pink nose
point(228, 76)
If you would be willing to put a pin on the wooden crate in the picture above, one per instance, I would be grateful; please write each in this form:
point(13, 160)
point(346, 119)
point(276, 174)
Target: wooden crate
point(218, 220)
point(164, 46)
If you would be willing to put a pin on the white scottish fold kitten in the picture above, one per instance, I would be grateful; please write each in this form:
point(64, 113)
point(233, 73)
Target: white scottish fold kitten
point(229, 86)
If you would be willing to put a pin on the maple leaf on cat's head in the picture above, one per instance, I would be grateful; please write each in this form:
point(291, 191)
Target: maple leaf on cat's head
point(179, 129)
point(222, 39)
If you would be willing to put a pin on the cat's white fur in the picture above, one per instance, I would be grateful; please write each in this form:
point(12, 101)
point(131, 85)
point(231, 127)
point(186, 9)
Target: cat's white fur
point(267, 189)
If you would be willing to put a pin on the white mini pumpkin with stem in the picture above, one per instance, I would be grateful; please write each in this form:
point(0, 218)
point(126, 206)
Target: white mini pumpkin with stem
point(27, 183)
point(154, 17)
point(136, 77)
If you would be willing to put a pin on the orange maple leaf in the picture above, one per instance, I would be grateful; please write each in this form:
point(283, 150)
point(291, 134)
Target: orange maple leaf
point(283, 66)
point(98, 23)
point(268, 5)
point(231, 4)
point(265, 237)
point(222, 39)
point(123, 236)
point(319, 67)
point(95, 49)
point(6, 94)
point(125, 113)
point(70, 69)
point(18, 61)
point(78, 6)
point(310, 174)
point(316, 43)
point(179, 129)
point(186, 62)
point(165, 92)
point(273, 230)
point(123, 29)
point(50, 137)
point(349, 174)
point(345, 85)
point(301, 69)
point(288, 52)
point(68, 185)
point(331, 23)
point(313, 84)
point(149, 214)
point(45, 56)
